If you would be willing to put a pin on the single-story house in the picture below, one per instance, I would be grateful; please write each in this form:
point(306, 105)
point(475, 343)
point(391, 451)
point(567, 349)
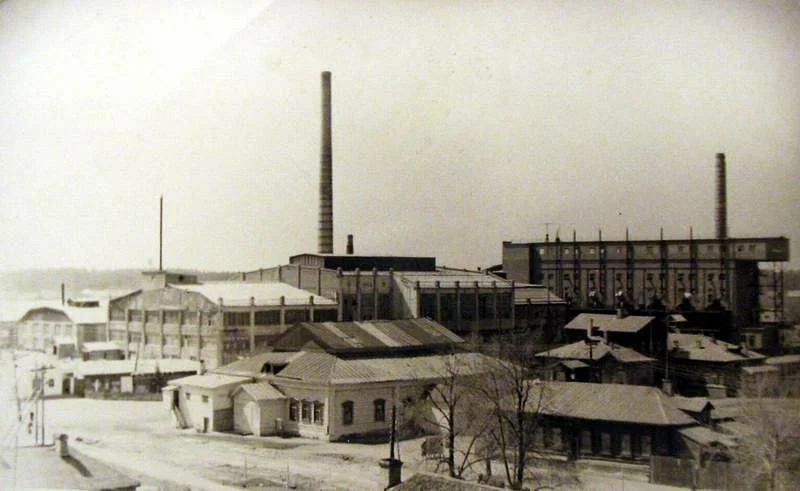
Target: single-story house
point(620, 422)
point(643, 333)
point(597, 360)
point(332, 381)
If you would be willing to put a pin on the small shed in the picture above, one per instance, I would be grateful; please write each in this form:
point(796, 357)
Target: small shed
point(258, 409)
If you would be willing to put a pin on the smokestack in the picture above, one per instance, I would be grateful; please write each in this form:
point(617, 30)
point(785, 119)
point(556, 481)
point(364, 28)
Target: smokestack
point(722, 201)
point(325, 242)
point(350, 244)
point(63, 295)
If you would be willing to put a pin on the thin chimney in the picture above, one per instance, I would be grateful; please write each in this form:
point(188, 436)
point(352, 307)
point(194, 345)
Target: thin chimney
point(350, 244)
point(325, 238)
point(722, 200)
point(63, 294)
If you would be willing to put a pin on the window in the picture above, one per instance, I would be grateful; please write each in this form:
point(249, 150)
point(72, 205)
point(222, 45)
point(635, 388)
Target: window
point(188, 396)
point(268, 317)
point(293, 409)
point(51, 382)
point(306, 412)
point(236, 318)
point(152, 316)
point(205, 398)
point(319, 410)
point(379, 406)
point(751, 248)
point(136, 316)
point(710, 248)
point(172, 317)
point(293, 316)
point(347, 413)
point(117, 314)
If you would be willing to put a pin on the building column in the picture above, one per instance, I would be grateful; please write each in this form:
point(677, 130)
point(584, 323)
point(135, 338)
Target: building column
point(181, 320)
point(514, 307)
point(477, 304)
point(127, 333)
point(418, 301)
point(252, 325)
point(199, 334)
point(374, 294)
point(390, 314)
point(283, 310)
point(438, 302)
point(143, 340)
point(319, 281)
point(161, 333)
point(220, 334)
point(339, 295)
point(458, 305)
point(311, 309)
point(358, 296)
point(494, 305)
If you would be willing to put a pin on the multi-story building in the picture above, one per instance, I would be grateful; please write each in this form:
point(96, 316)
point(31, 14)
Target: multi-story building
point(67, 325)
point(175, 316)
point(690, 274)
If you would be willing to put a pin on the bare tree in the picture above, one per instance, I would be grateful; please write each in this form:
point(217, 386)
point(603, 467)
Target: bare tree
point(517, 398)
point(457, 413)
point(767, 455)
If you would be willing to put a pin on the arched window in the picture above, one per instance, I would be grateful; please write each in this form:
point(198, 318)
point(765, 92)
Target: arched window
point(379, 406)
point(347, 412)
point(293, 410)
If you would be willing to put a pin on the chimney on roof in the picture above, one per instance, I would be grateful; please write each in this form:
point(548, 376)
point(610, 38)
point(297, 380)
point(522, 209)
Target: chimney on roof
point(590, 328)
point(722, 200)
point(666, 386)
point(61, 446)
point(350, 244)
point(325, 238)
point(63, 294)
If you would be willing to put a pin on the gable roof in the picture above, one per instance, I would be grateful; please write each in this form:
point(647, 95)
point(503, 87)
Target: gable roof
point(610, 322)
point(581, 351)
point(239, 293)
point(261, 391)
point(251, 367)
point(77, 315)
point(703, 348)
point(636, 404)
point(210, 381)
point(329, 369)
point(338, 337)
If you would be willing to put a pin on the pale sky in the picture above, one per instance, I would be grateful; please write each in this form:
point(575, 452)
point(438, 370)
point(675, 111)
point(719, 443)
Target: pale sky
point(456, 125)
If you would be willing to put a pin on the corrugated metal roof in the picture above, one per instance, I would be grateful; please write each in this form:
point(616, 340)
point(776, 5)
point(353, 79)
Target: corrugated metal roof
point(261, 391)
point(239, 293)
point(251, 367)
point(327, 368)
point(581, 351)
point(607, 402)
point(610, 322)
point(366, 336)
point(703, 348)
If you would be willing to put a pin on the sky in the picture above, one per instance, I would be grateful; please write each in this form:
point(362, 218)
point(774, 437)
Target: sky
point(456, 126)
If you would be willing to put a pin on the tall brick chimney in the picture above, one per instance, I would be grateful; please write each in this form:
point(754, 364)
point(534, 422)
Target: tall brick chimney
point(722, 199)
point(325, 242)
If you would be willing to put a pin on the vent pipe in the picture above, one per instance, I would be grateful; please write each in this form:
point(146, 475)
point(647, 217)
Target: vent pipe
point(350, 244)
point(325, 243)
point(722, 200)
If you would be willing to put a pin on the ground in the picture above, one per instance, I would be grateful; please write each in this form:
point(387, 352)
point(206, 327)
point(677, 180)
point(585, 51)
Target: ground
point(139, 439)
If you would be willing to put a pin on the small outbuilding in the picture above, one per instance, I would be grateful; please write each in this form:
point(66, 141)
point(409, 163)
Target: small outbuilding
point(258, 409)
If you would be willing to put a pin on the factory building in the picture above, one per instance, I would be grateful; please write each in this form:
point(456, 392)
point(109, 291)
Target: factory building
point(718, 274)
point(175, 316)
point(61, 328)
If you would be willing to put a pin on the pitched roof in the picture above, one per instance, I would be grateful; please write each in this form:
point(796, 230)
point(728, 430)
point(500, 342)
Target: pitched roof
point(209, 381)
point(143, 367)
point(581, 350)
point(78, 315)
point(537, 294)
point(692, 404)
point(366, 336)
point(261, 391)
point(784, 359)
point(44, 468)
point(329, 369)
point(610, 322)
point(635, 404)
point(252, 366)
point(707, 436)
point(703, 348)
point(239, 293)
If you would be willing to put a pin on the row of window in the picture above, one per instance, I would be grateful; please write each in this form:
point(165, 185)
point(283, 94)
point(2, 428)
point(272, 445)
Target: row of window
point(650, 249)
point(309, 412)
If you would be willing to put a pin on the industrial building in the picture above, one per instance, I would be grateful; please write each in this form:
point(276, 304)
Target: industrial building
point(175, 316)
point(719, 274)
point(62, 328)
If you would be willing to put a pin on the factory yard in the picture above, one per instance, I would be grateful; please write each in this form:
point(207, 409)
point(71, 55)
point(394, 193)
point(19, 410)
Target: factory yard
point(139, 439)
